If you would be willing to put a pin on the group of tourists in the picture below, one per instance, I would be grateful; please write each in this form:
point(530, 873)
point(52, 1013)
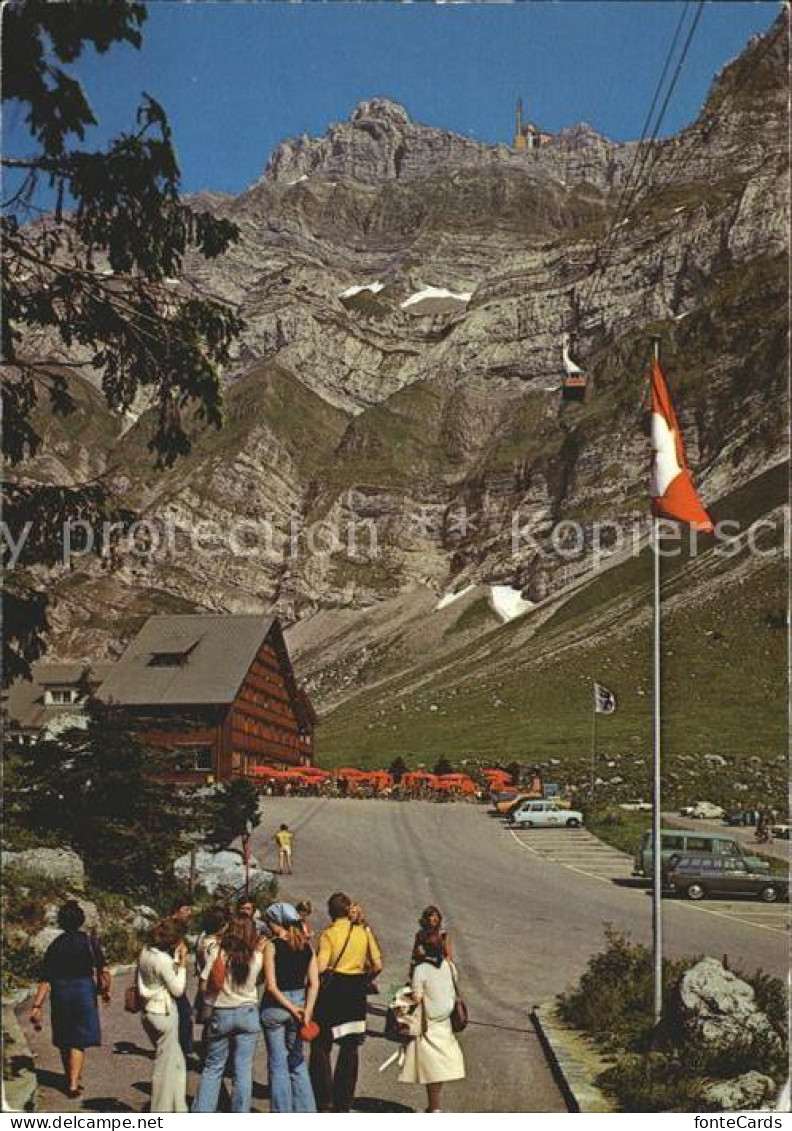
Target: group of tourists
point(314, 994)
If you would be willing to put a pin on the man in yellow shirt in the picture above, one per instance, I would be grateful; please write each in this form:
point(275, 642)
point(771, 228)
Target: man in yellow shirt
point(349, 955)
point(284, 838)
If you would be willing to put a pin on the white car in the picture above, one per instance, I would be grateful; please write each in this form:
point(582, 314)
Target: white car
point(542, 814)
point(704, 811)
point(636, 806)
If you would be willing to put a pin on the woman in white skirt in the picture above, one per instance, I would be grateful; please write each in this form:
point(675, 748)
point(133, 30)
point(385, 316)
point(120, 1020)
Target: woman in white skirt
point(433, 1058)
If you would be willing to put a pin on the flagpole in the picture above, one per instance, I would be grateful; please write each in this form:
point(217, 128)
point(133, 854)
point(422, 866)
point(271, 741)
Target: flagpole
point(593, 741)
point(657, 861)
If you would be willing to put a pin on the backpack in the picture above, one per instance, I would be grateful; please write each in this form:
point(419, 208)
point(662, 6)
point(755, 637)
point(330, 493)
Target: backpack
point(217, 975)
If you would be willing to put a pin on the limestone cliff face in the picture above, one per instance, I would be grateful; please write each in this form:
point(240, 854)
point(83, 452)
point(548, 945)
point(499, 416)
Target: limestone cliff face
point(405, 291)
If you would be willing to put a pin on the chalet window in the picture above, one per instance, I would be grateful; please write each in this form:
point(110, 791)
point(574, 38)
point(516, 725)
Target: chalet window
point(173, 655)
point(167, 659)
point(192, 759)
point(203, 759)
point(60, 696)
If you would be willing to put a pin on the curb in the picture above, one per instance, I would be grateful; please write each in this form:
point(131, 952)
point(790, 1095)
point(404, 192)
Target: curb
point(574, 1061)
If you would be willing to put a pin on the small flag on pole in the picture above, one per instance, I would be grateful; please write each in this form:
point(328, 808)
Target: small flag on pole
point(672, 490)
point(604, 700)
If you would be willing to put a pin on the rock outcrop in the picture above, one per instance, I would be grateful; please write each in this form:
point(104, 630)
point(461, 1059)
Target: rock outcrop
point(718, 1007)
point(59, 865)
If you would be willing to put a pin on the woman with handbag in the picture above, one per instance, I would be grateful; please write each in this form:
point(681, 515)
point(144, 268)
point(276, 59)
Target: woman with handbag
point(292, 981)
point(434, 1057)
point(161, 979)
point(234, 1024)
point(349, 956)
point(74, 974)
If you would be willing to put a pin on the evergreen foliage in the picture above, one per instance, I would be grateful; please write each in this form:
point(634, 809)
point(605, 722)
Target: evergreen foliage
point(231, 812)
point(443, 766)
point(96, 285)
point(398, 768)
point(99, 790)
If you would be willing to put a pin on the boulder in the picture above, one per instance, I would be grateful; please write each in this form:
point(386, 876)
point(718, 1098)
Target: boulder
point(143, 917)
point(745, 1093)
point(90, 910)
point(215, 870)
point(42, 939)
point(61, 865)
point(719, 1007)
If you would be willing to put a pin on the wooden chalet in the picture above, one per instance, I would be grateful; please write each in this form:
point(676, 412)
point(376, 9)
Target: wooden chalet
point(219, 690)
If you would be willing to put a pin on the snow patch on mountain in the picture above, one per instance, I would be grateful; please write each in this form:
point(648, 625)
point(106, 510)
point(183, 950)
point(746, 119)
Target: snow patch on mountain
point(375, 288)
point(508, 603)
point(449, 598)
point(436, 292)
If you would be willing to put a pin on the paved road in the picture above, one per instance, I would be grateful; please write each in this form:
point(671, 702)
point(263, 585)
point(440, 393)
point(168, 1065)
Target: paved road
point(526, 911)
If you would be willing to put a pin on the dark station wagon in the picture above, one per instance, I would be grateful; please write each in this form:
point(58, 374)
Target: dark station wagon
point(700, 876)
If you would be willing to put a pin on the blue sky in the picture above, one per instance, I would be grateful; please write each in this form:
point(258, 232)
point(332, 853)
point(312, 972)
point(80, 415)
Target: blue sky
point(237, 78)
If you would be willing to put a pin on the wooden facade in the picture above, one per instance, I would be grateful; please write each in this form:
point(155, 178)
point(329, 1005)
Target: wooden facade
point(268, 721)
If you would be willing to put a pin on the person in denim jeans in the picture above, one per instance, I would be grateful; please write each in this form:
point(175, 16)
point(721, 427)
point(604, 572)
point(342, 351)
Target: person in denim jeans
point(292, 983)
point(234, 1025)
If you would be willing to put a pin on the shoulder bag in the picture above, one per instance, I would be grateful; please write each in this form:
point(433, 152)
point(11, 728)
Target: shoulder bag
point(326, 977)
point(459, 1014)
point(132, 999)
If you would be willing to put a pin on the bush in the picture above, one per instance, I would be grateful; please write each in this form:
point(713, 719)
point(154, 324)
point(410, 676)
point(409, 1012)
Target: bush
point(21, 964)
point(660, 1069)
point(651, 1082)
point(613, 1000)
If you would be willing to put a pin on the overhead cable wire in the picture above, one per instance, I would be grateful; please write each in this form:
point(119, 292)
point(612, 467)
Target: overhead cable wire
point(637, 156)
point(650, 157)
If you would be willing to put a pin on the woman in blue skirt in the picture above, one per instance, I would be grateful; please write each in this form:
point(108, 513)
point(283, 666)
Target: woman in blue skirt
point(74, 972)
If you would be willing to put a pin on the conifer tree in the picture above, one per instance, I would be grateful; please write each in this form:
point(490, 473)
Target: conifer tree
point(231, 812)
point(101, 791)
point(443, 767)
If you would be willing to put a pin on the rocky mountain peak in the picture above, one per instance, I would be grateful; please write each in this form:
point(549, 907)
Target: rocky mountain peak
point(383, 109)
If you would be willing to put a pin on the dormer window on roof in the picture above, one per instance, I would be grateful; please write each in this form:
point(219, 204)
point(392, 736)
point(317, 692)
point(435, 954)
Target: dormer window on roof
point(173, 655)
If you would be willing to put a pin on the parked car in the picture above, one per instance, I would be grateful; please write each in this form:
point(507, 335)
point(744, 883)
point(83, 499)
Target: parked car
point(545, 813)
point(780, 832)
point(703, 810)
point(681, 842)
point(503, 801)
point(636, 806)
point(700, 876)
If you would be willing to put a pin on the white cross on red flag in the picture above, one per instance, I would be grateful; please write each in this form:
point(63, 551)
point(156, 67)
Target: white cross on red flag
point(672, 490)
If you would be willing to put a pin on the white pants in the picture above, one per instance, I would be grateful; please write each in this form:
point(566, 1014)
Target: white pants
point(169, 1082)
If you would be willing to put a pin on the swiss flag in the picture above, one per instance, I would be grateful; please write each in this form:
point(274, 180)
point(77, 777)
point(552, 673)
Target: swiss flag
point(672, 490)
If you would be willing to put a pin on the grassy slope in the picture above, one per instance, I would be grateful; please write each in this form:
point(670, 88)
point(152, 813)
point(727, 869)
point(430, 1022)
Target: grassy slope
point(724, 674)
point(305, 425)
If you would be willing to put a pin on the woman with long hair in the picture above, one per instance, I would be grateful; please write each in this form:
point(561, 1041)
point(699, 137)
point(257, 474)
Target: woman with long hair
point(433, 1058)
point(234, 1025)
point(431, 922)
point(161, 979)
point(74, 972)
point(292, 983)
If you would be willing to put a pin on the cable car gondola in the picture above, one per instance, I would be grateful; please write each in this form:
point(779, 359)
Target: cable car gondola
point(575, 381)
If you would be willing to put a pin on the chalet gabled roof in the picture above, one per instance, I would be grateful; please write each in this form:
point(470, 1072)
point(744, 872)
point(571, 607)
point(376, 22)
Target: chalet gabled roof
point(217, 650)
